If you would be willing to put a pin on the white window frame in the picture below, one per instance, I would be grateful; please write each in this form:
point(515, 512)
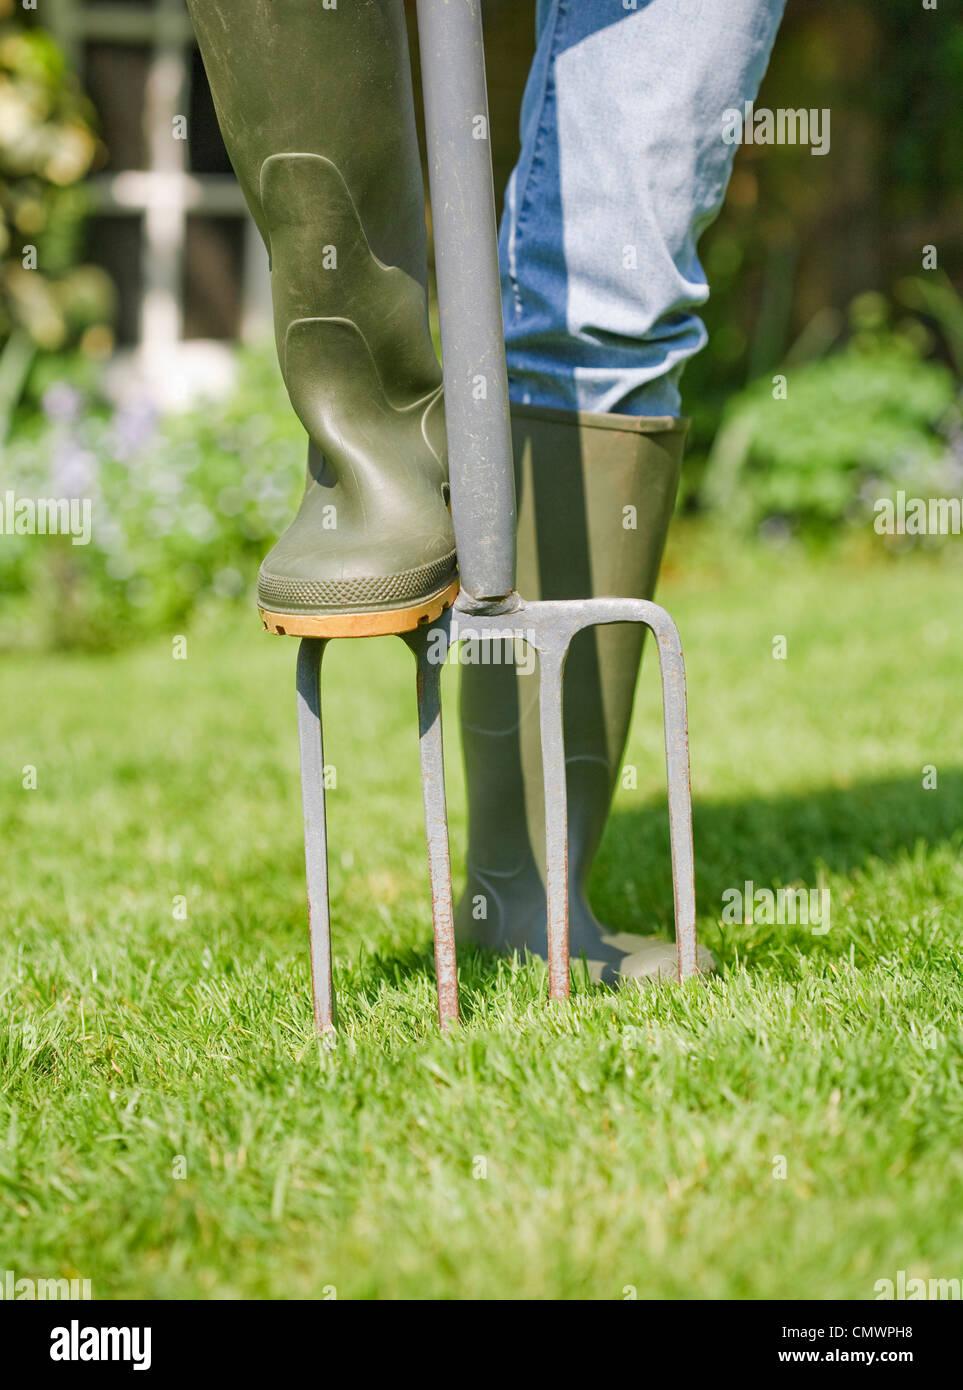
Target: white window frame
point(165, 192)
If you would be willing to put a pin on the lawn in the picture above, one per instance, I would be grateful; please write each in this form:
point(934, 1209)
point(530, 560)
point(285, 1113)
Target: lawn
point(789, 1128)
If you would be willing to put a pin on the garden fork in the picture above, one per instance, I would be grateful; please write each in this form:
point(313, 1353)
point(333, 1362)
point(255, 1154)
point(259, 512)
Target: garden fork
point(486, 607)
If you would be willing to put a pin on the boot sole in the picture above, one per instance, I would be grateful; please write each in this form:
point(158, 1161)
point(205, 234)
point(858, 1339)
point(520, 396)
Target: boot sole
point(373, 624)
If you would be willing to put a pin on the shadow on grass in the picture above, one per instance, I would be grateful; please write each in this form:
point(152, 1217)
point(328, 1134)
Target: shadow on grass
point(772, 841)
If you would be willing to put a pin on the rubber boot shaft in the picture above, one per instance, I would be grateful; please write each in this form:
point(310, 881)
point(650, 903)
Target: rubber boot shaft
point(315, 105)
point(595, 497)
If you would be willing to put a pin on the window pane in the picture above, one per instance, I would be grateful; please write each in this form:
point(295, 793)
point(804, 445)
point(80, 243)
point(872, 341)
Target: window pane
point(213, 267)
point(115, 244)
point(206, 151)
point(115, 75)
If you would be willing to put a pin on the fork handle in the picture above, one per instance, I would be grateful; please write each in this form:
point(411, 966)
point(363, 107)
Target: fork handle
point(469, 298)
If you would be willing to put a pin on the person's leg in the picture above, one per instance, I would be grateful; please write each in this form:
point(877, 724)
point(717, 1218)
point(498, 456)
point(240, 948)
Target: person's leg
point(622, 167)
point(316, 108)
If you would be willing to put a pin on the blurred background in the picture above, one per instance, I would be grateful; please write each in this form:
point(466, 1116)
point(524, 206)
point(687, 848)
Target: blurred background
point(135, 360)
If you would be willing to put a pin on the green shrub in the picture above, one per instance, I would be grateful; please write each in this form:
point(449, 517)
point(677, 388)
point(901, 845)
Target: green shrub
point(183, 509)
point(47, 146)
point(816, 453)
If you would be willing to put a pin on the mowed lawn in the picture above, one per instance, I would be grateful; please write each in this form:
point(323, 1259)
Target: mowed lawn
point(790, 1128)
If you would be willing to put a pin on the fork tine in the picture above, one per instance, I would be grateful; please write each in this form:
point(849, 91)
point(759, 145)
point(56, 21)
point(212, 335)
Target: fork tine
point(679, 786)
point(431, 749)
point(310, 653)
point(550, 668)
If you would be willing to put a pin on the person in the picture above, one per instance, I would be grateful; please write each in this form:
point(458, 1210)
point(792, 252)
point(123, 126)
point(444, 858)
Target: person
point(622, 167)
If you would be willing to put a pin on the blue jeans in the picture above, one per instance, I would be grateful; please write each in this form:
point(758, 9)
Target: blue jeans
point(622, 168)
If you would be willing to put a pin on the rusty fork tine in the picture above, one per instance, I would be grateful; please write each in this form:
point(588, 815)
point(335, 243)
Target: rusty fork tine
point(431, 748)
point(675, 721)
point(550, 668)
point(310, 653)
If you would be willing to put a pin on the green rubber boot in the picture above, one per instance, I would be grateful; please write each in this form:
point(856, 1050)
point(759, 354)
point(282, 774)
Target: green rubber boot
point(595, 497)
point(316, 108)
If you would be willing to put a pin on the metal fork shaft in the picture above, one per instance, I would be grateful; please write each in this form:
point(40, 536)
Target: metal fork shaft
point(469, 294)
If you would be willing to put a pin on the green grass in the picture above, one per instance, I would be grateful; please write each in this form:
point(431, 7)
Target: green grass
point(169, 1128)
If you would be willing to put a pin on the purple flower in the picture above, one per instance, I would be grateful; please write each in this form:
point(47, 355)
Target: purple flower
point(73, 471)
point(61, 402)
point(134, 426)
